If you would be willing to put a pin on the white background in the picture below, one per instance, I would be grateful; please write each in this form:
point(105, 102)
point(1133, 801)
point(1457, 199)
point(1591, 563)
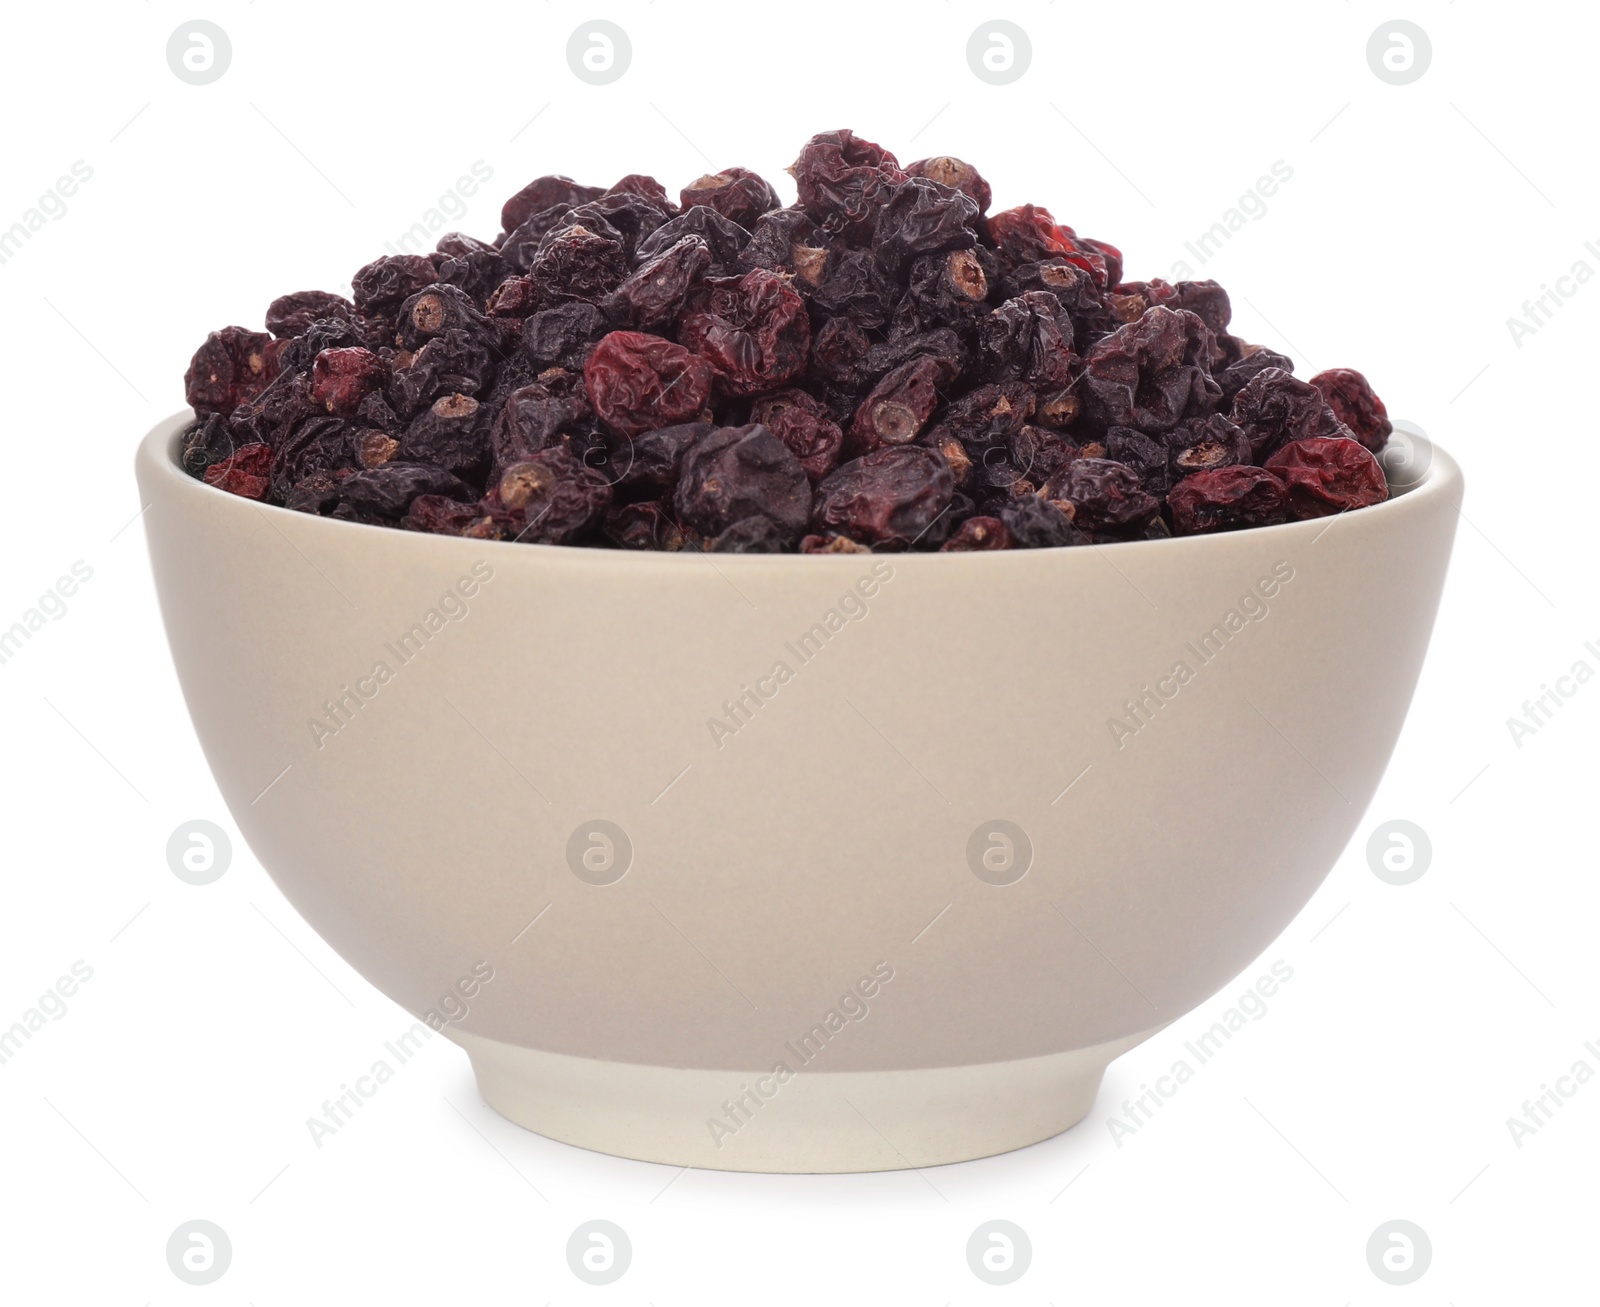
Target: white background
point(1419, 1018)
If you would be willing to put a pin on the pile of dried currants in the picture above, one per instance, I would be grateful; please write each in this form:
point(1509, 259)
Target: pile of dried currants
point(881, 366)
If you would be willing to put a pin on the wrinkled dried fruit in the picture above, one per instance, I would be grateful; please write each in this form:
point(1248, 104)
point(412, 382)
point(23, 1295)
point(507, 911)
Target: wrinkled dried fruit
point(890, 497)
point(737, 194)
point(1227, 498)
point(1105, 496)
point(1275, 408)
point(638, 382)
point(1353, 402)
point(243, 473)
point(736, 473)
point(1328, 476)
point(753, 330)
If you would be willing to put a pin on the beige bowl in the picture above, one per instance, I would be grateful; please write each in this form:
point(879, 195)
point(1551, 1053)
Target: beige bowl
point(795, 863)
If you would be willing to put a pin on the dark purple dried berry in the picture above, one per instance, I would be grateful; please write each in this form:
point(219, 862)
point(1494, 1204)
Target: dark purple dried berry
point(653, 294)
point(1275, 408)
point(1035, 523)
point(551, 498)
point(544, 193)
point(751, 535)
point(802, 423)
point(978, 534)
point(1105, 496)
point(388, 282)
point(843, 179)
point(451, 433)
point(1150, 374)
point(752, 329)
point(723, 239)
point(642, 526)
point(205, 441)
point(651, 462)
point(289, 315)
point(562, 336)
point(577, 264)
point(954, 173)
point(900, 405)
point(1238, 374)
point(740, 472)
point(921, 217)
point(887, 498)
point(387, 491)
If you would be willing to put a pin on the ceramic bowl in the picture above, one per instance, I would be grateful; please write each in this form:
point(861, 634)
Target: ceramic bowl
point(784, 863)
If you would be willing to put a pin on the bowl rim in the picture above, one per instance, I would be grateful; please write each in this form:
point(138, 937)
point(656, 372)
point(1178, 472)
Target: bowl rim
point(158, 452)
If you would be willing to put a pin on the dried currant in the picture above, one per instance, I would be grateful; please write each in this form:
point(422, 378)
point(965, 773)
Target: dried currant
point(231, 367)
point(342, 378)
point(1226, 499)
point(1106, 496)
point(843, 179)
point(737, 194)
point(637, 382)
point(978, 534)
point(1327, 476)
point(289, 315)
point(889, 498)
point(1150, 374)
point(752, 329)
point(736, 473)
point(1353, 402)
point(1275, 408)
point(244, 472)
point(551, 498)
point(803, 424)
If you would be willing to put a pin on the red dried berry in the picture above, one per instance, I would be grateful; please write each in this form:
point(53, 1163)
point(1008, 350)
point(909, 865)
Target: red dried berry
point(978, 534)
point(737, 194)
point(1226, 499)
point(342, 378)
point(803, 424)
point(842, 179)
point(244, 472)
point(1353, 402)
point(1328, 475)
point(233, 366)
point(1029, 234)
point(637, 382)
point(544, 193)
point(752, 329)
